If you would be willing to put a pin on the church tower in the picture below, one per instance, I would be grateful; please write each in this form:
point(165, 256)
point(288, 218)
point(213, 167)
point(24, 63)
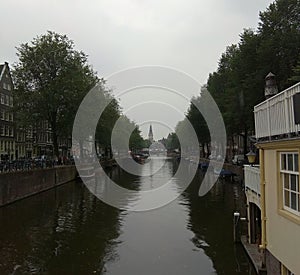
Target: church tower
point(150, 135)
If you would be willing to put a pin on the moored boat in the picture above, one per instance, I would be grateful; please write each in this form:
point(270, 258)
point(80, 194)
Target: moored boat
point(86, 171)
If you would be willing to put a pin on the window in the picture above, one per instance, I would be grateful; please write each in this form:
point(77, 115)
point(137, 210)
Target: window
point(6, 131)
point(285, 271)
point(2, 98)
point(6, 100)
point(289, 174)
point(2, 114)
point(11, 132)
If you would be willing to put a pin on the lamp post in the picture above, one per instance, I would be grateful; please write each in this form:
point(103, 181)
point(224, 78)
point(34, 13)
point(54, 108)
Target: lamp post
point(251, 157)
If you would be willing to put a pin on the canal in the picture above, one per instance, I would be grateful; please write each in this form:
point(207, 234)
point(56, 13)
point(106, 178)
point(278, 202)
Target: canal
point(67, 230)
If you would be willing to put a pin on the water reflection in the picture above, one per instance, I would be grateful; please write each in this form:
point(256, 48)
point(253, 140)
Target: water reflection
point(210, 219)
point(67, 230)
point(61, 231)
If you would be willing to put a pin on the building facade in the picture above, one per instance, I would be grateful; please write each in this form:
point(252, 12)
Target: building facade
point(18, 142)
point(7, 130)
point(277, 195)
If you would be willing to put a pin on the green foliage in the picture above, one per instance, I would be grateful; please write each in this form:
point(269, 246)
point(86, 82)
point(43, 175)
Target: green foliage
point(51, 79)
point(238, 84)
point(279, 31)
point(172, 142)
point(136, 141)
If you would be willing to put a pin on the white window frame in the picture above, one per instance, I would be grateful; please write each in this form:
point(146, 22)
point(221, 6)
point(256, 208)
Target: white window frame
point(287, 173)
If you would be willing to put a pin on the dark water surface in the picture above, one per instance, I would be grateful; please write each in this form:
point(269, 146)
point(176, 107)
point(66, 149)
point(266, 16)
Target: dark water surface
point(67, 230)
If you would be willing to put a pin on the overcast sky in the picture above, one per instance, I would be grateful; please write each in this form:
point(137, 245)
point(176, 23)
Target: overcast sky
point(186, 35)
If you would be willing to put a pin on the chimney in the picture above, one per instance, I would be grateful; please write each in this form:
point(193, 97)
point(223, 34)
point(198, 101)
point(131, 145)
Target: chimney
point(270, 86)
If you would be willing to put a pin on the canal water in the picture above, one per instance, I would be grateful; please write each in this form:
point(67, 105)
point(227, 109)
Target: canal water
point(67, 230)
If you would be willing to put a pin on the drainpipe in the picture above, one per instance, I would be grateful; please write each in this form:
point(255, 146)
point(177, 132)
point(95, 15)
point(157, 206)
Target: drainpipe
point(263, 205)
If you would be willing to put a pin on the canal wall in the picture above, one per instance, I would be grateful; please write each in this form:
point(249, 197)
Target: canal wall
point(18, 185)
point(235, 169)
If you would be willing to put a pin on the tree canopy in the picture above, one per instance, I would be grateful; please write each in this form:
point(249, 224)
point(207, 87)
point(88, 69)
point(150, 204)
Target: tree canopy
point(51, 79)
point(238, 83)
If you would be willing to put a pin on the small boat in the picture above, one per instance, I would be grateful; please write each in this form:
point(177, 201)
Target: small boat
point(139, 157)
point(86, 172)
point(203, 166)
point(224, 173)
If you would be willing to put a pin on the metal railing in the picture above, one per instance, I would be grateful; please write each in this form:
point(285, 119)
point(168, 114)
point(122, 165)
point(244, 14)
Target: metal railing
point(252, 178)
point(275, 116)
point(29, 164)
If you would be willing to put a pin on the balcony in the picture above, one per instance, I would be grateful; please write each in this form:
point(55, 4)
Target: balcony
point(252, 183)
point(275, 117)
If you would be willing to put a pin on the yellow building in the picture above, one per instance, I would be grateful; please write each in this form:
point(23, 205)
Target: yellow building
point(277, 195)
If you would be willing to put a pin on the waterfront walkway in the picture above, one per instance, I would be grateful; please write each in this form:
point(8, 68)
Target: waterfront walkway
point(253, 252)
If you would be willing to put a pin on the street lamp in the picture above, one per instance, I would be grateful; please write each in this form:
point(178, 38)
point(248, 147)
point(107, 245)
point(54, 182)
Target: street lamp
point(251, 157)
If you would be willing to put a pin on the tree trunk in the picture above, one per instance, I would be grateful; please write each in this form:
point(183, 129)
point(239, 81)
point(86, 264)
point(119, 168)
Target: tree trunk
point(54, 137)
point(245, 142)
point(207, 149)
point(96, 148)
point(81, 149)
point(203, 149)
point(52, 121)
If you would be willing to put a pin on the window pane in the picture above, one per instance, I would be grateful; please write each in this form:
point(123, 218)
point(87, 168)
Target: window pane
point(293, 183)
point(283, 161)
point(286, 181)
point(286, 198)
point(293, 201)
point(296, 162)
point(290, 162)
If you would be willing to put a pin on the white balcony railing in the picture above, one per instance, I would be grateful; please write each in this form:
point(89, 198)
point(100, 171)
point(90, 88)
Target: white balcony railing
point(275, 116)
point(252, 178)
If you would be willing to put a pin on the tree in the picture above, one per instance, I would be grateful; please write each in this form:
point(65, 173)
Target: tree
point(51, 79)
point(279, 31)
point(172, 142)
point(106, 123)
point(136, 141)
point(199, 124)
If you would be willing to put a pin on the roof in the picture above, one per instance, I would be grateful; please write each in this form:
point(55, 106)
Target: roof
point(270, 74)
point(2, 69)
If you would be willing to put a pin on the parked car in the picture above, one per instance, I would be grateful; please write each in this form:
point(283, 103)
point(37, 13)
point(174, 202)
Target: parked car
point(239, 160)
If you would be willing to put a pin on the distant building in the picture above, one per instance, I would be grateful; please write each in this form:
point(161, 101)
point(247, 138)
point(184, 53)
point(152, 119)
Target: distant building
point(150, 135)
point(7, 143)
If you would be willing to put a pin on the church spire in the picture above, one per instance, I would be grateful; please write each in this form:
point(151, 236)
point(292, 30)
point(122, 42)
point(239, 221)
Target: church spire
point(150, 135)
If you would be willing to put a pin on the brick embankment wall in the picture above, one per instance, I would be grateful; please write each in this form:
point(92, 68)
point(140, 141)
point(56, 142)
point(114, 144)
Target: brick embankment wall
point(18, 185)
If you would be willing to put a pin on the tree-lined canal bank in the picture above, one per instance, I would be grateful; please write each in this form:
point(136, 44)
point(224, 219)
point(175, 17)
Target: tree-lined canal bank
point(66, 230)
